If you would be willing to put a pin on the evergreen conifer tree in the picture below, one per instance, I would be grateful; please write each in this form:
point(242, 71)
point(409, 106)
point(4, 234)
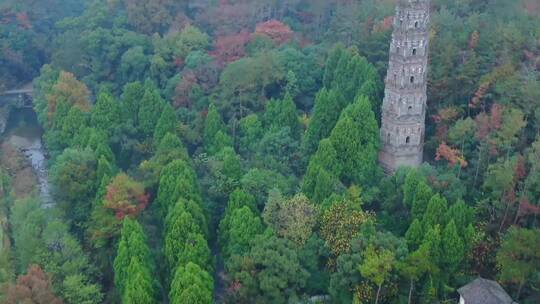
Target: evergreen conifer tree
point(132, 96)
point(435, 212)
point(106, 114)
point(322, 172)
point(166, 123)
point(281, 114)
point(149, 111)
point(326, 111)
point(191, 284)
point(421, 200)
point(453, 249)
point(138, 286)
point(132, 249)
point(356, 141)
point(179, 225)
point(214, 135)
point(414, 234)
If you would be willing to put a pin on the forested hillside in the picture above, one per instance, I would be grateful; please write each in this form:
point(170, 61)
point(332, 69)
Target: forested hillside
point(226, 151)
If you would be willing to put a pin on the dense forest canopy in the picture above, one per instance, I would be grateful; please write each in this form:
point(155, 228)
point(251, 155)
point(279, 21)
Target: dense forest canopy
point(225, 151)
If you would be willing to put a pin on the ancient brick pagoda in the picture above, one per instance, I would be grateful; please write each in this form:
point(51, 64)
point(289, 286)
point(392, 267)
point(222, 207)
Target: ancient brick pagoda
point(404, 105)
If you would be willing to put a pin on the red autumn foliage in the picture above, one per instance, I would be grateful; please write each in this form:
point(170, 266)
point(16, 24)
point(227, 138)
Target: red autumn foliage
point(125, 197)
point(275, 30)
point(481, 254)
point(179, 62)
point(499, 72)
point(530, 56)
point(33, 287)
point(532, 7)
point(496, 117)
point(526, 208)
point(482, 126)
point(493, 151)
point(384, 25)
point(387, 22)
point(479, 95)
point(183, 90)
point(453, 156)
point(510, 196)
point(441, 132)
point(234, 287)
point(23, 20)
point(442, 119)
point(230, 48)
point(520, 171)
point(485, 124)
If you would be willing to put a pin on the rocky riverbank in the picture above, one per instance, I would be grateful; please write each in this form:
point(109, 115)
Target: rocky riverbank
point(4, 114)
point(22, 155)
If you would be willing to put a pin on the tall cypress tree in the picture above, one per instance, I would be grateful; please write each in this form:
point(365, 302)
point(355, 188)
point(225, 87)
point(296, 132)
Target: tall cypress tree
point(106, 114)
point(132, 248)
point(191, 284)
point(282, 113)
point(322, 173)
point(215, 136)
point(138, 286)
point(435, 212)
point(179, 224)
point(326, 111)
point(149, 110)
point(236, 234)
point(462, 215)
point(453, 249)
point(177, 180)
point(166, 123)
point(331, 64)
point(432, 240)
point(414, 234)
point(356, 141)
point(410, 187)
point(75, 121)
point(421, 199)
point(131, 99)
point(104, 168)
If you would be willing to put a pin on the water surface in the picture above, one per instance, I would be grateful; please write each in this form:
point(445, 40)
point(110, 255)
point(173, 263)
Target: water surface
point(24, 133)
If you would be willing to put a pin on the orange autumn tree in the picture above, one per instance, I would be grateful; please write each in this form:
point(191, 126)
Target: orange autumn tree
point(453, 156)
point(486, 83)
point(443, 119)
point(33, 287)
point(125, 197)
point(68, 92)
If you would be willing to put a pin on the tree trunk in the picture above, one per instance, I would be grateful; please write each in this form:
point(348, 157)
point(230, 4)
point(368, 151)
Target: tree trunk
point(519, 289)
point(505, 214)
point(410, 292)
point(516, 218)
point(478, 165)
point(378, 294)
point(523, 193)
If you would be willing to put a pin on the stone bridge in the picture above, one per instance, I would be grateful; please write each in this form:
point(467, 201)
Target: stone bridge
point(14, 99)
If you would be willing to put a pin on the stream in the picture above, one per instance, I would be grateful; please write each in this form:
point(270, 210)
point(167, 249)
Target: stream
point(24, 133)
